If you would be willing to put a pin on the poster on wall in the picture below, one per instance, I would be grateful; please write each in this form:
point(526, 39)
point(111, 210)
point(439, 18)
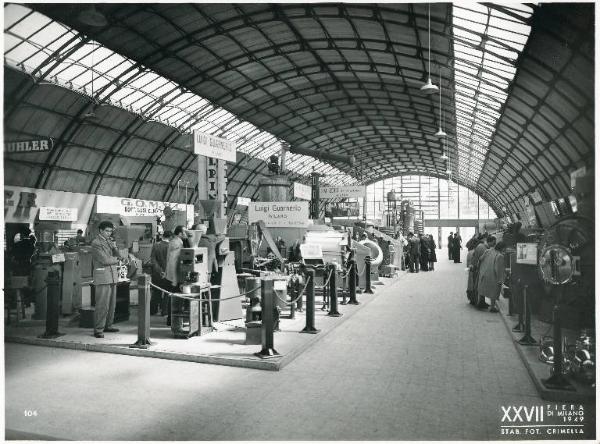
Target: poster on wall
point(211, 146)
point(279, 214)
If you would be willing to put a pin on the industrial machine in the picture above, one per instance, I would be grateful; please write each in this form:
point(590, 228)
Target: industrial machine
point(186, 318)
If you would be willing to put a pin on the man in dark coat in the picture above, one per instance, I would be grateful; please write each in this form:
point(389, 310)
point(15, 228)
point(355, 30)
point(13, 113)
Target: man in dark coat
point(450, 242)
point(158, 259)
point(414, 252)
point(456, 246)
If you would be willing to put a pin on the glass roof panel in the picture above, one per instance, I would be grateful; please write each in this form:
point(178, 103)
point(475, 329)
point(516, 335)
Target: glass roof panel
point(481, 93)
point(141, 92)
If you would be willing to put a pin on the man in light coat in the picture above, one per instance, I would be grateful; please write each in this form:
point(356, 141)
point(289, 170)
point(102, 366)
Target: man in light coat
point(491, 274)
point(105, 258)
point(488, 242)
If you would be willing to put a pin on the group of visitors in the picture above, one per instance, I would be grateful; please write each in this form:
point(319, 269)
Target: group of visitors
point(485, 261)
point(421, 252)
point(454, 247)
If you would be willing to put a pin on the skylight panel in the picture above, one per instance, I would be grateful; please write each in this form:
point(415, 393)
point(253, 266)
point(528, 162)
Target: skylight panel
point(477, 107)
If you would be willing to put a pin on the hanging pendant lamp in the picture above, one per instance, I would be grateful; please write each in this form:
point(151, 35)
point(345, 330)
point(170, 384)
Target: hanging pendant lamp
point(445, 156)
point(440, 132)
point(91, 114)
point(429, 88)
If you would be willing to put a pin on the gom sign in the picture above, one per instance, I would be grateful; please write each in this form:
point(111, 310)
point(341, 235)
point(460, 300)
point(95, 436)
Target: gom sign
point(28, 146)
point(342, 192)
point(279, 214)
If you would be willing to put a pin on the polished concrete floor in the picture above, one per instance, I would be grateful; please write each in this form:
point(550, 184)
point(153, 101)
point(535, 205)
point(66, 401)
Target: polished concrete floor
point(416, 363)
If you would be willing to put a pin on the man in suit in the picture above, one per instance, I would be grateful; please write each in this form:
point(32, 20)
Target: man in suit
point(450, 243)
point(414, 252)
point(105, 258)
point(158, 259)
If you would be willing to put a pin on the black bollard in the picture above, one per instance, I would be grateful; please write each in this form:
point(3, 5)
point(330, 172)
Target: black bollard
point(352, 278)
point(144, 293)
point(299, 289)
point(293, 295)
point(310, 302)
point(333, 302)
point(520, 327)
point(368, 288)
point(53, 306)
point(527, 339)
point(557, 380)
point(268, 319)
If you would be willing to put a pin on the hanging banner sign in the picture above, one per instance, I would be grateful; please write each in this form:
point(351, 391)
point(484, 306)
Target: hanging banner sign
point(28, 146)
point(279, 214)
point(125, 206)
point(211, 146)
point(342, 192)
point(243, 201)
point(302, 191)
point(54, 213)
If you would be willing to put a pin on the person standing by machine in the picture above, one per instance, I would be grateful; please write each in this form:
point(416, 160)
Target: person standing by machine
point(158, 259)
point(105, 258)
point(414, 252)
point(172, 272)
point(491, 274)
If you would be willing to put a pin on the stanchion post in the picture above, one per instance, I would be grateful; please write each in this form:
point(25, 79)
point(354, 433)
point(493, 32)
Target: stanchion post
point(520, 327)
point(527, 339)
point(53, 306)
point(293, 295)
point(368, 288)
point(352, 277)
point(333, 302)
point(310, 303)
point(144, 295)
point(268, 319)
point(557, 380)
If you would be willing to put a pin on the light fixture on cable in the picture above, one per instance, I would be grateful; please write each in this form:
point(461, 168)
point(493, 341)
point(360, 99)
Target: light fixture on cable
point(440, 132)
point(92, 17)
point(429, 88)
point(445, 156)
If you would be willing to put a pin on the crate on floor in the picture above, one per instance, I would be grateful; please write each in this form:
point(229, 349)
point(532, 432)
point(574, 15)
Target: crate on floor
point(389, 271)
point(86, 317)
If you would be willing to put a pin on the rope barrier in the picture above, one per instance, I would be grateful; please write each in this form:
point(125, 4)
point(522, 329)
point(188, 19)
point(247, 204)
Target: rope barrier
point(191, 296)
point(293, 301)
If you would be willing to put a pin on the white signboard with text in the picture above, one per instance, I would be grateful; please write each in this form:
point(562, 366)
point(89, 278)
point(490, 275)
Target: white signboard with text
point(527, 253)
point(211, 146)
point(302, 191)
point(136, 207)
point(243, 201)
point(58, 213)
point(279, 214)
point(342, 192)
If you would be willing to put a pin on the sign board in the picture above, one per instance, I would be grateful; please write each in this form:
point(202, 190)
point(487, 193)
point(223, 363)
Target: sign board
point(56, 213)
point(28, 146)
point(302, 191)
point(342, 192)
point(279, 285)
point(211, 146)
point(526, 253)
point(580, 172)
point(60, 257)
point(243, 201)
point(279, 214)
point(536, 197)
point(311, 251)
point(21, 204)
point(125, 206)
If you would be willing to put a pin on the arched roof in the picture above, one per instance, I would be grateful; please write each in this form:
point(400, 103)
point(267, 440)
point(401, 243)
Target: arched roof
point(342, 78)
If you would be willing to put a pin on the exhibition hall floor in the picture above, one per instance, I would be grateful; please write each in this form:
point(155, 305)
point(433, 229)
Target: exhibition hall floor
point(415, 363)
